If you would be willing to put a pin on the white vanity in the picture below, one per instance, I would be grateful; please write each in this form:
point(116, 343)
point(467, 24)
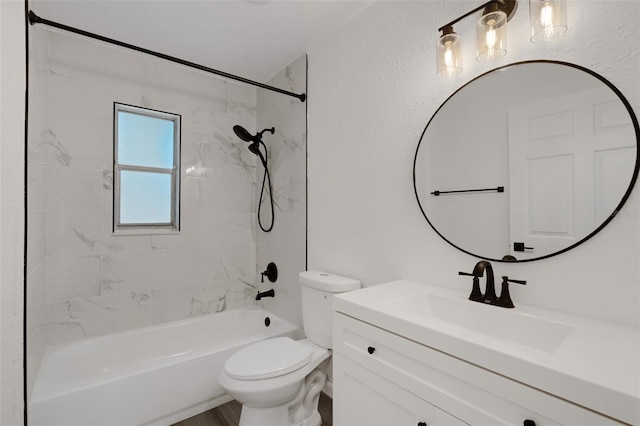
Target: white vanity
point(409, 353)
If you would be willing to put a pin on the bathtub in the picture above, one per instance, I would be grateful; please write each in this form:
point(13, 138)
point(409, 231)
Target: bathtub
point(155, 375)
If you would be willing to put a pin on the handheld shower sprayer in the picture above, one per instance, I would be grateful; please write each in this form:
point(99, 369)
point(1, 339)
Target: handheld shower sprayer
point(255, 142)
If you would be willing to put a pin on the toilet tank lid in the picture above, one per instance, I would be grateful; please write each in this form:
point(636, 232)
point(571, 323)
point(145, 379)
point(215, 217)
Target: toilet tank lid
point(328, 282)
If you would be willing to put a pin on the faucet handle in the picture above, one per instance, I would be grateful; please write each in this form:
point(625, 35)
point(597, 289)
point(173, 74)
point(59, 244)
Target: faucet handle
point(476, 294)
point(271, 273)
point(505, 299)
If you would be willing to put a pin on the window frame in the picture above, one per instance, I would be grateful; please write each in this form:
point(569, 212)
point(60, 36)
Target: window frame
point(173, 226)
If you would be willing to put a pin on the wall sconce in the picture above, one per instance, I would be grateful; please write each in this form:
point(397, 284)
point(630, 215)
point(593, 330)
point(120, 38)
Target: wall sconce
point(492, 34)
point(548, 20)
point(448, 53)
point(548, 23)
point(491, 37)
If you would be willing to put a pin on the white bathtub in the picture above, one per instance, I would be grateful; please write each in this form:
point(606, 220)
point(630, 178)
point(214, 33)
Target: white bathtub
point(155, 375)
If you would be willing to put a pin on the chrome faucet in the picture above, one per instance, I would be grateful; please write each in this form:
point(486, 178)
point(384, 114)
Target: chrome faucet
point(489, 296)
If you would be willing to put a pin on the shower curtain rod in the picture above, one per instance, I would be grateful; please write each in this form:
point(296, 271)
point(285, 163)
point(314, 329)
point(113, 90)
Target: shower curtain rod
point(35, 19)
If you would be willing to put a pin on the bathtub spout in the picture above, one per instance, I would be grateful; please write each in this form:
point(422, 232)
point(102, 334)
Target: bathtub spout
point(268, 293)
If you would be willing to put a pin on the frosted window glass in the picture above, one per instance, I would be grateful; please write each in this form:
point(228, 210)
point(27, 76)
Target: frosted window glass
point(145, 197)
point(145, 141)
point(146, 171)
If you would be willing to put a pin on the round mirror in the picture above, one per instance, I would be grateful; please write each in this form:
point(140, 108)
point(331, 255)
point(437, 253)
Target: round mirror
point(527, 161)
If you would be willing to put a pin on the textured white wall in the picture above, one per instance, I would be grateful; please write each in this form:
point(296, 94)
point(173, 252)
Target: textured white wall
point(12, 101)
point(372, 90)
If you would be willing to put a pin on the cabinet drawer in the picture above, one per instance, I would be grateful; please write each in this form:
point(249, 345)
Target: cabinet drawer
point(367, 399)
point(475, 395)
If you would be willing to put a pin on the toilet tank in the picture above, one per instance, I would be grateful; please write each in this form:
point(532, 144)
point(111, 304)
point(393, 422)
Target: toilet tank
point(317, 290)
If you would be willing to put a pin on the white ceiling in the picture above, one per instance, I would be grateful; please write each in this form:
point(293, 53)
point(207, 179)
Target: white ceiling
point(254, 39)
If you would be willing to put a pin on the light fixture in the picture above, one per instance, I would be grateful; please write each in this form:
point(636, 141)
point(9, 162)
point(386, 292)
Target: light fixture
point(448, 53)
point(548, 20)
point(491, 36)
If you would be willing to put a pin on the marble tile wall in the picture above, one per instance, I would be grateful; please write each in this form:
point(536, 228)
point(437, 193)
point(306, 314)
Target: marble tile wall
point(82, 280)
point(285, 245)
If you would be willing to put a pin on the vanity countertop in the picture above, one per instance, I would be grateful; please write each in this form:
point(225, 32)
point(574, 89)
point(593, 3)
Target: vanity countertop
point(592, 363)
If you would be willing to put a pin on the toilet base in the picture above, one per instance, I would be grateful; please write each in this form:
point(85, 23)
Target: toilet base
point(301, 411)
point(274, 416)
point(278, 415)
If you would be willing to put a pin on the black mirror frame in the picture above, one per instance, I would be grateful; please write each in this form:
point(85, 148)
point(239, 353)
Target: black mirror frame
point(626, 195)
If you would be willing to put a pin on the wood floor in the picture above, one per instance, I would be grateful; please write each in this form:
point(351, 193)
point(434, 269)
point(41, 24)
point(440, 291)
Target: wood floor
point(229, 414)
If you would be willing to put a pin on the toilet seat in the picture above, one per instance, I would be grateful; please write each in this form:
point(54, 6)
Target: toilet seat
point(267, 359)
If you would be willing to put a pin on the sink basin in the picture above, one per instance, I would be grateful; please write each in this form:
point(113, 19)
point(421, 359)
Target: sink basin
point(488, 321)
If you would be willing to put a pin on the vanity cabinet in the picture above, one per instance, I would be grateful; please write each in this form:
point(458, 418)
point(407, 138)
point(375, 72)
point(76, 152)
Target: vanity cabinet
point(381, 378)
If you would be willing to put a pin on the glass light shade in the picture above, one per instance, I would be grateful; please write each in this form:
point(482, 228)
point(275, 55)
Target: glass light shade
point(492, 36)
point(449, 58)
point(548, 20)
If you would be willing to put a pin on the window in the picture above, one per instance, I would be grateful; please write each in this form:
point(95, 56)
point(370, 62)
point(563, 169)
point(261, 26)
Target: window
point(146, 171)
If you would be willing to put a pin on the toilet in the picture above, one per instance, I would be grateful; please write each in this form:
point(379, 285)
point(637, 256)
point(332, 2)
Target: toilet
point(278, 381)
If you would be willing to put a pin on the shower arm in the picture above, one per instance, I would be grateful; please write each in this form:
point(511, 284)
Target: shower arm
point(35, 19)
point(271, 130)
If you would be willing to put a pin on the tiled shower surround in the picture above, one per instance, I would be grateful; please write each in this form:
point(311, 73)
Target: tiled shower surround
point(82, 281)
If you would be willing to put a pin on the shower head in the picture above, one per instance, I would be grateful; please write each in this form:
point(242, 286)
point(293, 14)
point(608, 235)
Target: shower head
point(243, 134)
point(255, 141)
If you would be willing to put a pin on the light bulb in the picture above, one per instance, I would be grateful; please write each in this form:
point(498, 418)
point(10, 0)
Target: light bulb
point(546, 19)
point(490, 36)
point(546, 15)
point(448, 56)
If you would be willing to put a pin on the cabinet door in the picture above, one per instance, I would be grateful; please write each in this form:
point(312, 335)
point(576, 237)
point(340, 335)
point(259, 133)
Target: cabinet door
point(363, 398)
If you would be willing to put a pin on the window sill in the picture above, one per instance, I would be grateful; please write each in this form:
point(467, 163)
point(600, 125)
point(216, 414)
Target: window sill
point(148, 231)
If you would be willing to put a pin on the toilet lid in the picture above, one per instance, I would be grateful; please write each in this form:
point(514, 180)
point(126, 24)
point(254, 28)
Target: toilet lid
point(268, 358)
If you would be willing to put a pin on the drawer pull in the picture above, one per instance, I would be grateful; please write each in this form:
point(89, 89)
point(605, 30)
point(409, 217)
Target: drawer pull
point(371, 350)
point(422, 423)
point(529, 423)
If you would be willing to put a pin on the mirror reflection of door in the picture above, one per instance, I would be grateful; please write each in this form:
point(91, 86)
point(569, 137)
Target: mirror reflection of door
point(571, 158)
